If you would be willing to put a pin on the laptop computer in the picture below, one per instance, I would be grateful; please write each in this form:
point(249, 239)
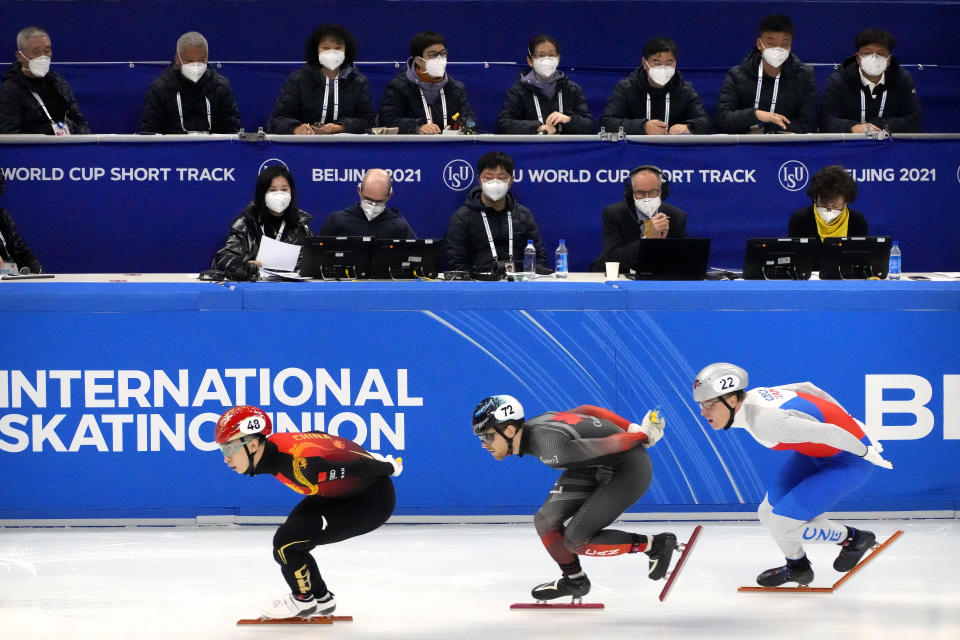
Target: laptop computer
point(672, 258)
point(856, 258)
point(336, 257)
point(779, 258)
point(406, 259)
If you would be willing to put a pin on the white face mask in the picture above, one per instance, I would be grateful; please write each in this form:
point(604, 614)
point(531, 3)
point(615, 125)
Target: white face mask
point(277, 201)
point(193, 71)
point(495, 189)
point(648, 207)
point(776, 56)
point(829, 215)
point(436, 67)
point(873, 64)
point(39, 66)
point(372, 209)
point(661, 74)
point(331, 58)
point(545, 67)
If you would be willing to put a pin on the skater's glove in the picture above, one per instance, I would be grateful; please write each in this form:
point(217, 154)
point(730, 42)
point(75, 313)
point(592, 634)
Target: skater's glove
point(652, 426)
point(873, 455)
point(396, 463)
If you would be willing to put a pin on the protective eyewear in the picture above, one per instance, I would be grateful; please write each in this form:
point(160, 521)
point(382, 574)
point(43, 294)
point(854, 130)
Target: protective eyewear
point(230, 448)
point(706, 405)
point(487, 437)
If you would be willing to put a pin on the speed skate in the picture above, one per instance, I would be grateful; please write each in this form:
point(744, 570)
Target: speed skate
point(296, 620)
point(836, 585)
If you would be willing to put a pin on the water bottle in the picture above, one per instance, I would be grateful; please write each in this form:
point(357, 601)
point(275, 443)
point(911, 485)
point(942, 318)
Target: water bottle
point(561, 267)
point(530, 258)
point(894, 272)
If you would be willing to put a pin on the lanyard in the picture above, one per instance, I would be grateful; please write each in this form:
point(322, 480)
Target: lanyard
point(863, 106)
point(776, 87)
point(44, 107)
point(336, 100)
point(180, 113)
point(536, 105)
point(666, 108)
point(426, 107)
point(493, 249)
point(279, 233)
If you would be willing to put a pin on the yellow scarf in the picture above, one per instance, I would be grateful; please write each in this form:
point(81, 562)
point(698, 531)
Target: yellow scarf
point(836, 229)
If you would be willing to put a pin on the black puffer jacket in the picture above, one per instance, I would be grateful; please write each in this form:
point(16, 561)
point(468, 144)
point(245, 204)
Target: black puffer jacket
point(796, 97)
point(21, 113)
point(803, 224)
point(467, 246)
point(627, 105)
point(402, 106)
point(622, 231)
point(841, 100)
point(160, 113)
point(12, 246)
point(301, 101)
point(519, 115)
point(352, 221)
point(243, 240)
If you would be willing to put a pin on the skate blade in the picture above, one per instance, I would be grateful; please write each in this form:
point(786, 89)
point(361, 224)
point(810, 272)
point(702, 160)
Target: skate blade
point(559, 605)
point(685, 550)
point(297, 620)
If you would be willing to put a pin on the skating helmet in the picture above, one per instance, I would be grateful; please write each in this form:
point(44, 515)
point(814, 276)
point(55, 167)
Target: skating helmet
point(242, 421)
point(496, 412)
point(718, 379)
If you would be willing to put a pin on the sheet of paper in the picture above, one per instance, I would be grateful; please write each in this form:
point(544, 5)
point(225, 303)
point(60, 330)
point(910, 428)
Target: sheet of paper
point(277, 255)
point(273, 274)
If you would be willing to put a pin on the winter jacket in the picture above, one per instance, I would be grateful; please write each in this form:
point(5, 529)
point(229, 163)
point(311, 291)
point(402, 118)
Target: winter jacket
point(627, 105)
point(467, 246)
point(161, 115)
point(243, 239)
point(841, 100)
point(21, 113)
point(352, 221)
point(301, 101)
point(402, 105)
point(12, 246)
point(803, 224)
point(519, 114)
point(622, 231)
point(796, 97)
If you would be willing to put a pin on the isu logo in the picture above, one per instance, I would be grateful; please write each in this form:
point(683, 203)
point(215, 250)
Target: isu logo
point(458, 175)
point(793, 175)
point(269, 162)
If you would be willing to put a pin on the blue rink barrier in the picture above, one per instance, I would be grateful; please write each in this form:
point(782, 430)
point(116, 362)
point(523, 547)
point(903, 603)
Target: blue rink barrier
point(164, 205)
point(107, 405)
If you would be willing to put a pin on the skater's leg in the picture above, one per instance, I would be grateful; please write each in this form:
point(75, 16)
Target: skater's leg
point(571, 490)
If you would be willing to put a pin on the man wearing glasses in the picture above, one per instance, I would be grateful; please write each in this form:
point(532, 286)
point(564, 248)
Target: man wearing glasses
point(830, 456)
point(606, 469)
point(370, 216)
point(347, 492)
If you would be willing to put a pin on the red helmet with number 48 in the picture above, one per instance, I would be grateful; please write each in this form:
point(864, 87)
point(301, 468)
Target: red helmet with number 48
point(242, 421)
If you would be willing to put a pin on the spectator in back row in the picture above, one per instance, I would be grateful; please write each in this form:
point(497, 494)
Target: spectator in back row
point(544, 100)
point(370, 216)
point(831, 189)
point(424, 98)
point(190, 97)
point(771, 91)
point(655, 99)
point(870, 91)
point(34, 99)
point(327, 94)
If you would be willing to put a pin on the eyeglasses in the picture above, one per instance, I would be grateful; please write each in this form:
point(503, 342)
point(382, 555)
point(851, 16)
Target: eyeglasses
point(487, 437)
point(433, 55)
point(838, 205)
point(372, 201)
point(653, 193)
point(541, 56)
point(230, 448)
point(706, 405)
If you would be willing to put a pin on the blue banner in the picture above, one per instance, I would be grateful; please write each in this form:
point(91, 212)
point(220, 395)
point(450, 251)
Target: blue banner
point(160, 205)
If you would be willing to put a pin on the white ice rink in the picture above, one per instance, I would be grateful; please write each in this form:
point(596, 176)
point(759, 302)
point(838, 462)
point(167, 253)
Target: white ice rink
point(457, 581)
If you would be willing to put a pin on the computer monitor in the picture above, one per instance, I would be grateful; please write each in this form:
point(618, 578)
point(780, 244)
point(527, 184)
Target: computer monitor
point(336, 257)
point(856, 258)
point(672, 258)
point(405, 259)
point(779, 258)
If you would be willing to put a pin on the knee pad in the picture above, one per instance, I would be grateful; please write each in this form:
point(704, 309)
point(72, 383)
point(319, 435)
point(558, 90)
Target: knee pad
point(764, 512)
point(545, 524)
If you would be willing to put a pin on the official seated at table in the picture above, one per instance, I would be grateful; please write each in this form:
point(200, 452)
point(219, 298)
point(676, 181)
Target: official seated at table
point(424, 98)
point(327, 94)
point(370, 216)
point(273, 213)
point(655, 99)
point(545, 100)
point(34, 99)
point(771, 91)
point(642, 213)
point(871, 91)
point(831, 190)
point(14, 252)
point(479, 233)
point(189, 96)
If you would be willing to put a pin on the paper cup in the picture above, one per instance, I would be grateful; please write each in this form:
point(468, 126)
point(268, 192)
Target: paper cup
point(613, 270)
